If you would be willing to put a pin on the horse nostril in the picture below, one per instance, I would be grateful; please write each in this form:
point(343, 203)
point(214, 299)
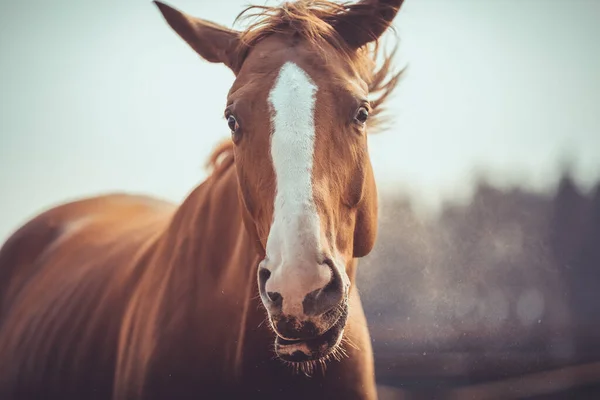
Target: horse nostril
point(273, 300)
point(322, 300)
point(263, 276)
point(335, 284)
point(274, 297)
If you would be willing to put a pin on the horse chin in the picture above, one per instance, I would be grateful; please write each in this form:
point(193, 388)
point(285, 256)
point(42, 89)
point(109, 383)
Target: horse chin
point(299, 353)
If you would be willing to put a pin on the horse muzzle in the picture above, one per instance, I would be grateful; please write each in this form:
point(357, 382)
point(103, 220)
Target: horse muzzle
point(307, 304)
point(309, 343)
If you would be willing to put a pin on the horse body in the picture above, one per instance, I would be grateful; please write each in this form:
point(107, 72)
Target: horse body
point(81, 279)
point(248, 287)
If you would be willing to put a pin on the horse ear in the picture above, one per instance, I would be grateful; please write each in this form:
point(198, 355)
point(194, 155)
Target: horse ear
point(214, 43)
point(365, 229)
point(365, 21)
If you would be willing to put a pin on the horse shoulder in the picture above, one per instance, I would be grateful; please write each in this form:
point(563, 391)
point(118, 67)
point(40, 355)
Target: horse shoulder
point(65, 276)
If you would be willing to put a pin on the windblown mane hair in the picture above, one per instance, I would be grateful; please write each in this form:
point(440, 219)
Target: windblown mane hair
point(310, 20)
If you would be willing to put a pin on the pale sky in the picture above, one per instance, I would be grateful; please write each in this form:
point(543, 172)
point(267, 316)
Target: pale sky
point(100, 96)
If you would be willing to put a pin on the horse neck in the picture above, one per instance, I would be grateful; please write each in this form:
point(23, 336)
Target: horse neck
point(199, 292)
point(207, 243)
point(207, 234)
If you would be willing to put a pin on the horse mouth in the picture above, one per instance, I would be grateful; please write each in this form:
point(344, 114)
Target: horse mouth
point(318, 348)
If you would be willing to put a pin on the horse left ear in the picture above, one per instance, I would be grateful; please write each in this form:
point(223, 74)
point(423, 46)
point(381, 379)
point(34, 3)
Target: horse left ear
point(365, 229)
point(213, 42)
point(365, 21)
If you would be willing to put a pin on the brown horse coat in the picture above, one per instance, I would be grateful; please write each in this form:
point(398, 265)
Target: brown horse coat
point(124, 296)
point(80, 281)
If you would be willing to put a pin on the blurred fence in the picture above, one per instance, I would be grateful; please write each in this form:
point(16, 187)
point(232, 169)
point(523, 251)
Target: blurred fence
point(497, 298)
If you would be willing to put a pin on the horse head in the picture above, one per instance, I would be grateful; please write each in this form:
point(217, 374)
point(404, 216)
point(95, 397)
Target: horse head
point(298, 113)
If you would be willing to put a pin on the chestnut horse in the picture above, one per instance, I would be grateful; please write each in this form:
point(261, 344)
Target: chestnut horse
point(247, 288)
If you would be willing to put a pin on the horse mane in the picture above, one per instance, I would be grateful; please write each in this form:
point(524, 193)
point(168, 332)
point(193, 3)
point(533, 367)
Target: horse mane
point(309, 19)
point(221, 158)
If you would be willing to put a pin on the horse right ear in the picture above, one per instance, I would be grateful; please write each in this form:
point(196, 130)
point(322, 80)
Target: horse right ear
point(214, 43)
point(365, 21)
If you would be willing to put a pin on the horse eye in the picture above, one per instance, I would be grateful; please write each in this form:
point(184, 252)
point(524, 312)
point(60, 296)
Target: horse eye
point(362, 115)
point(232, 123)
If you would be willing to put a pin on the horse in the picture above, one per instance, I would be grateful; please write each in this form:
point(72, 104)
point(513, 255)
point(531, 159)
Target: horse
point(247, 288)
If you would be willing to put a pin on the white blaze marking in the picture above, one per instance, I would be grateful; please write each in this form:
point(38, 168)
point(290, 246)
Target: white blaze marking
point(294, 240)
